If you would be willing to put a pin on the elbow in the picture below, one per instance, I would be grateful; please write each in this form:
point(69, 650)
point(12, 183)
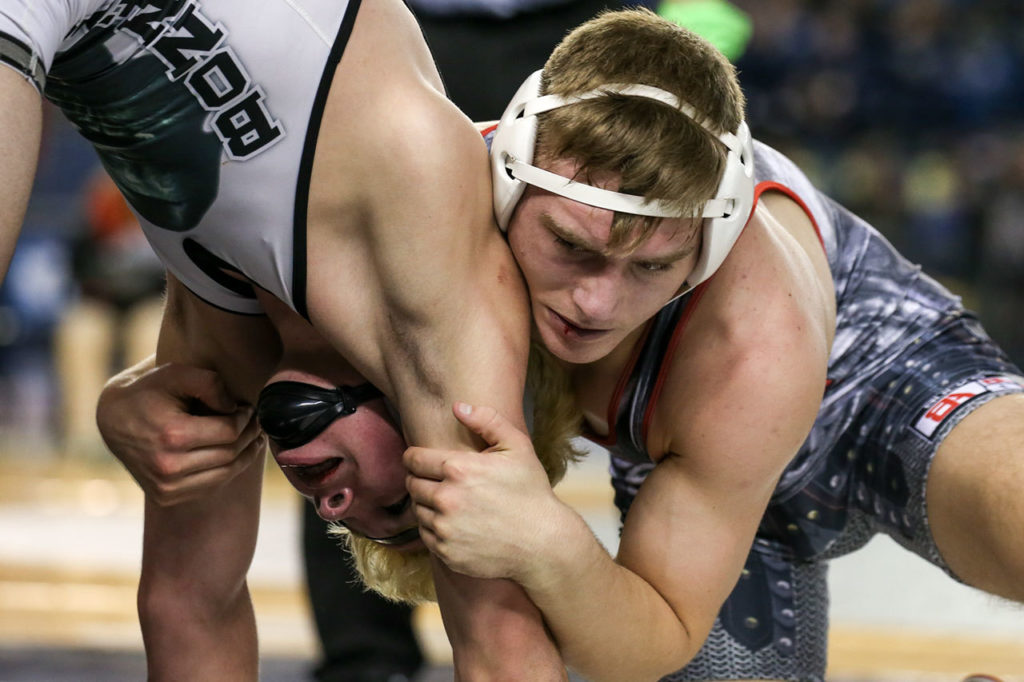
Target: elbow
point(642, 666)
point(662, 656)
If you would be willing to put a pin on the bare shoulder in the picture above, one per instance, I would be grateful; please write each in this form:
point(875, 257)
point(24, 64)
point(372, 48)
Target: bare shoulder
point(744, 384)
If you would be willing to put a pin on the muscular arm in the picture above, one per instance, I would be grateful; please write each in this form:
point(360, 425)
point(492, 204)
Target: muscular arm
point(688, 531)
point(742, 392)
point(194, 607)
point(451, 324)
point(20, 123)
point(416, 287)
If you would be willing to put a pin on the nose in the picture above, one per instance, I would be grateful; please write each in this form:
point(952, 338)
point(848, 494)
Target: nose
point(596, 296)
point(334, 507)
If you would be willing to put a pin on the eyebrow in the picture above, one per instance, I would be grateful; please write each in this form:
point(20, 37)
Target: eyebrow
point(563, 233)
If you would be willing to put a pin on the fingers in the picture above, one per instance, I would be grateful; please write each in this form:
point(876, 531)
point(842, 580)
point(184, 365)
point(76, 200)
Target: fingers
point(201, 385)
point(423, 491)
point(187, 432)
point(208, 453)
point(489, 424)
point(426, 462)
point(203, 471)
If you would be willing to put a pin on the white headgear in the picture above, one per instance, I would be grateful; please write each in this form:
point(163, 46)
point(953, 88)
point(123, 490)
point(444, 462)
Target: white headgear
point(512, 157)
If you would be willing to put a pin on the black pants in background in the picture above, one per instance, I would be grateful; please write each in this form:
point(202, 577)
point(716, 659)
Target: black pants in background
point(365, 638)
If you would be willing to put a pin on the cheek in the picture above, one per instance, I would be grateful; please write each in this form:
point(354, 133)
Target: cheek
point(388, 455)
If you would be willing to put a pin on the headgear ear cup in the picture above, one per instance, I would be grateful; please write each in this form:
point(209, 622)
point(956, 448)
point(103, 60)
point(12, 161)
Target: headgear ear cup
point(515, 137)
point(737, 183)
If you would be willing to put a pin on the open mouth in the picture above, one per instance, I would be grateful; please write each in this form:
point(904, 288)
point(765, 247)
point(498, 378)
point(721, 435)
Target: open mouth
point(312, 474)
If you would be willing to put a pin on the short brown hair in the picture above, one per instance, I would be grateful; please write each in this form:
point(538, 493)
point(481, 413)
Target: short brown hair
point(659, 153)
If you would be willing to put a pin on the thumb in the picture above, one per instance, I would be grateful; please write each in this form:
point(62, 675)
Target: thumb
point(486, 422)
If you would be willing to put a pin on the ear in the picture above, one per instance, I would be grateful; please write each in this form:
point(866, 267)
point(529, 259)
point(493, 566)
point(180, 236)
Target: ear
point(515, 138)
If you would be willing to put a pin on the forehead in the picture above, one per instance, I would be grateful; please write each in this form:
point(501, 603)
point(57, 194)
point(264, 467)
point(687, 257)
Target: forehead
point(592, 228)
point(301, 376)
point(596, 227)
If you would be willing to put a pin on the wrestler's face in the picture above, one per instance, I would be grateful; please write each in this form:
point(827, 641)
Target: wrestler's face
point(587, 297)
point(353, 474)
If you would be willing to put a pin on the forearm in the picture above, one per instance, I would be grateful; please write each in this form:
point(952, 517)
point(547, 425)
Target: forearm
point(498, 634)
point(609, 623)
point(20, 126)
point(130, 374)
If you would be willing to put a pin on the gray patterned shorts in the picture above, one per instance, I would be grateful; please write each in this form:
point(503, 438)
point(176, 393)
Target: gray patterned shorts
point(863, 470)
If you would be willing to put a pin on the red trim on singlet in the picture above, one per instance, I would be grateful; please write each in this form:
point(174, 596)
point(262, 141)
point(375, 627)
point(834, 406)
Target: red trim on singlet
point(666, 362)
point(485, 131)
point(611, 415)
point(670, 350)
point(763, 187)
point(620, 386)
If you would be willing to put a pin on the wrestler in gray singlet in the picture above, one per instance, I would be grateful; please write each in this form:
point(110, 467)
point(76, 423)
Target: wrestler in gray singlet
point(908, 363)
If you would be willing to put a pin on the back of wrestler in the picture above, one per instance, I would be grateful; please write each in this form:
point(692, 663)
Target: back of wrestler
point(206, 115)
point(304, 147)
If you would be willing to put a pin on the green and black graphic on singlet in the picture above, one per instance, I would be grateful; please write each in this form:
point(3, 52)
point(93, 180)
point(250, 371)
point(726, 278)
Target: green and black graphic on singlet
point(140, 84)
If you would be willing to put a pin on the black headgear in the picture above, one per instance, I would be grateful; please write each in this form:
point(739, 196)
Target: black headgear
point(293, 413)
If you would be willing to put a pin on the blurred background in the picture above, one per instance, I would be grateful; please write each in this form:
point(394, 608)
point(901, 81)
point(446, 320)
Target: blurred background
point(910, 112)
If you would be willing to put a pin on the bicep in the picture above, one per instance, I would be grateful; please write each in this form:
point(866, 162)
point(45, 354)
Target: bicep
point(688, 534)
point(449, 319)
point(692, 524)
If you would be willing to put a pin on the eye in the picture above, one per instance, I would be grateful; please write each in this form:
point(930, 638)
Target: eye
point(568, 245)
point(654, 267)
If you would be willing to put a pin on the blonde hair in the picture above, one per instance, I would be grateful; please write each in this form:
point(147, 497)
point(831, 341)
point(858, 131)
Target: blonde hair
point(407, 576)
point(657, 151)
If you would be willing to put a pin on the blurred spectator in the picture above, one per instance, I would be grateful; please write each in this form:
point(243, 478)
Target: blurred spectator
point(32, 299)
point(912, 112)
point(485, 49)
point(114, 319)
point(35, 292)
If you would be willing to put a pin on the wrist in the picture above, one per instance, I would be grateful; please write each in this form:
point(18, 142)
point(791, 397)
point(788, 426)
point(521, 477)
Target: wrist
point(562, 540)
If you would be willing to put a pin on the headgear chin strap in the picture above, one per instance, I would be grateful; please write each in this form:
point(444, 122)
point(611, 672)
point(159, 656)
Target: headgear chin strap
point(512, 169)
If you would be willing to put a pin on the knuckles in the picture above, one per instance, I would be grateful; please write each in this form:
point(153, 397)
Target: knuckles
point(166, 467)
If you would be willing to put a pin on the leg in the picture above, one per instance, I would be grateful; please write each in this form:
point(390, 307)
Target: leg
point(364, 637)
point(975, 505)
point(194, 607)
